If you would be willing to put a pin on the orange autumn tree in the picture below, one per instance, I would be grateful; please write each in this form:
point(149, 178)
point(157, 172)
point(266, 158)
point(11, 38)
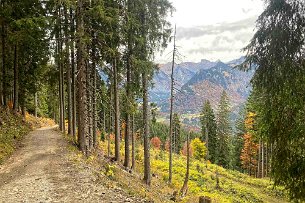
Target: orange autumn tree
point(250, 148)
point(156, 142)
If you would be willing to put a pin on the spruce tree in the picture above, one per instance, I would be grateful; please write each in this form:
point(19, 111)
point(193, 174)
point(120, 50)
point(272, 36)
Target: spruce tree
point(176, 134)
point(276, 50)
point(208, 131)
point(223, 131)
point(238, 140)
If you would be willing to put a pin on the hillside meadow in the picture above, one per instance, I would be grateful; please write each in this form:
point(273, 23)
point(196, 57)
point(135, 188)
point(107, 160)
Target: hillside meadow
point(233, 185)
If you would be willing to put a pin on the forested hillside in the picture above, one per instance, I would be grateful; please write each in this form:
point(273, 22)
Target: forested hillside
point(90, 66)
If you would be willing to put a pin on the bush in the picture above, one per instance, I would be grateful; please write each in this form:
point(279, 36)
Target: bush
point(199, 148)
point(184, 150)
point(156, 142)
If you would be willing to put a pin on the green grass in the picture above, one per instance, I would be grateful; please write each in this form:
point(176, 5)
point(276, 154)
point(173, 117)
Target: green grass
point(234, 186)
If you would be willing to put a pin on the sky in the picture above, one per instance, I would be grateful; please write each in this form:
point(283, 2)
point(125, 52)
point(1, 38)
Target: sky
point(212, 29)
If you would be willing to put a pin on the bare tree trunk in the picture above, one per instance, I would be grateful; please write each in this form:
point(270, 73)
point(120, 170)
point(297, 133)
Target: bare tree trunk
point(128, 109)
point(62, 119)
point(250, 157)
point(61, 73)
point(259, 158)
point(147, 177)
point(270, 158)
point(171, 113)
point(35, 103)
point(57, 61)
point(4, 88)
point(267, 158)
point(116, 111)
point(73, 85)
point(94, 78)
point(95, 138)
point(184, 188)
point(81, 77)
point(67, 64)
point(16, 78)
point(263, 173)
point(104, 119)
point(110, 119)
point(89, 102)
point(62, 76)
point(133, 160)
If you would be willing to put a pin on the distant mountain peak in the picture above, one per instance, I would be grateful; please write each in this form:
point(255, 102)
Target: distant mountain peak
point(199, 81)
point(205, 61)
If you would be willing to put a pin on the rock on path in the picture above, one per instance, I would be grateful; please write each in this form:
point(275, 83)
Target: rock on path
point(40, 171)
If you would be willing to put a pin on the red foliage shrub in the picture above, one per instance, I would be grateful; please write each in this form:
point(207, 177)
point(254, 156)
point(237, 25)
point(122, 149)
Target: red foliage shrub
point(156, 142)
point(184, 150)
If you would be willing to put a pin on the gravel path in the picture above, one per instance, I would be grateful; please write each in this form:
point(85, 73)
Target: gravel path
point(40, 171)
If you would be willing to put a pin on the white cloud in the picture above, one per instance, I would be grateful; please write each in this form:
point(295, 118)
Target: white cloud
point(213, 29)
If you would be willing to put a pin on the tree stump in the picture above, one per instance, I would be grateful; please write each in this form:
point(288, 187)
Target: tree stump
point(204, 199)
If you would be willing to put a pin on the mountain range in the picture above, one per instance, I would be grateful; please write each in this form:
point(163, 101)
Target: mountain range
point(197, 82)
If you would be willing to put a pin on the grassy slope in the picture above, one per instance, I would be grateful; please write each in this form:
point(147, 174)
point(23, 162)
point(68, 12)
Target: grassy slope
point(234, 186)
point(13, 127)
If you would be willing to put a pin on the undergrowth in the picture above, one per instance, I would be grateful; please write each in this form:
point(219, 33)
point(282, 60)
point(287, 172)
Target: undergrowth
point(13, 127)
point(233, 185)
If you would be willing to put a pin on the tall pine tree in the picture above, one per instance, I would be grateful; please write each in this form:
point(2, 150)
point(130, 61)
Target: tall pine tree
point(208, 131)
point(224, 131)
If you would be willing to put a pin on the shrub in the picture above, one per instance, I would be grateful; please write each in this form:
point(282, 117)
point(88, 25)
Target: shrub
point(184, 150)
point(156, 142)
point(199, 149)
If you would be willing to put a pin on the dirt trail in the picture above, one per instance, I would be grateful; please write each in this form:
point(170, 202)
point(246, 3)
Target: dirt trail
point(40, 171)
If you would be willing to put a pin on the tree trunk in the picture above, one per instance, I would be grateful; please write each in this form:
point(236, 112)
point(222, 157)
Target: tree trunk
point(171, 113)
point(89, 102)
point(133, 160)
point(4, 88)
point(263, 173)
point(259, 158)
point(36, 104)
point(104, 119)
point(67, 64)
point(61, 124)
point(184, 188)
point(81, 77)
point(73, 85)
point(62, 75)
point(94, 78)
point(16, 79)
point(128, 109)
point(116, 111)
point(147, 177)
point(60, 66)
point(110, 119)
point(57, 61)
point(94, 113)
point(267, 158)
point(250, 158)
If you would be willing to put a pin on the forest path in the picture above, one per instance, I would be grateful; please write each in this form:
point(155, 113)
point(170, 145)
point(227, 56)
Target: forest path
point(40, 171)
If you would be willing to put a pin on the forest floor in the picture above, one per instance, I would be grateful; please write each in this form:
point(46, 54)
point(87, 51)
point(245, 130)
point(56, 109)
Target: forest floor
point(41, 170)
